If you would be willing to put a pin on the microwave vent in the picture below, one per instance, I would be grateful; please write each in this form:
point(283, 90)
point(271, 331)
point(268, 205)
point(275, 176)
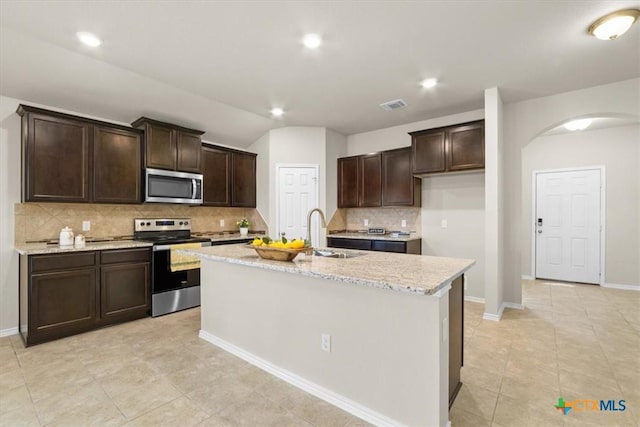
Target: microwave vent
point(393, 105)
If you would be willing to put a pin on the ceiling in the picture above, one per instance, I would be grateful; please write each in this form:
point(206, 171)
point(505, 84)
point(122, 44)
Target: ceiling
point(220, 66)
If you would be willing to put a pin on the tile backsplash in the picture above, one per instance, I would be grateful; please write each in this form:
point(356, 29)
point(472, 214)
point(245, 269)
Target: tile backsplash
point(387, 217)
point(39, 221)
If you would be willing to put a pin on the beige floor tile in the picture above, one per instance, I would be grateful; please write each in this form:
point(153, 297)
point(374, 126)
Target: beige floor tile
point(520, 413)
point(145, 397)
point(91, 413)
point(58, 381)
point(128, 377)
point(181, 411)
point(476, 400)
point(588, 385)
point(322, 414)
point(535, 373)
point(220, 394)
point(21, 417)
point(481, 378)
point(11, 379)
point(14, 398)
point(525, 390)
point(461, 418)
point(58, 405)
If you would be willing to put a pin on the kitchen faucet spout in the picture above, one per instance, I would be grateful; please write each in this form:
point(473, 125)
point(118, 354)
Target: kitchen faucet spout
point(309, 215)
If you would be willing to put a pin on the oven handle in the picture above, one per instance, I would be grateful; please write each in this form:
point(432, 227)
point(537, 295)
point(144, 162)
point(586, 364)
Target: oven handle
point(157, 248)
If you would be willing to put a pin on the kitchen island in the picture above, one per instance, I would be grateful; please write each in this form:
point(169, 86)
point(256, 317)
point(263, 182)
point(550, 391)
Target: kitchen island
point(369, 334)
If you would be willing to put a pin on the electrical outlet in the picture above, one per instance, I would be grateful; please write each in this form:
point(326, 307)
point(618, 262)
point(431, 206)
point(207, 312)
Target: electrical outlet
point(403, 223)
point(222, 223)
point(86, 225)
point(366, 222)
point(444, 223)
point(325, 342)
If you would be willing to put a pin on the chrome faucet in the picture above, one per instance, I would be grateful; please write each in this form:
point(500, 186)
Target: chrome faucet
point(309, 215)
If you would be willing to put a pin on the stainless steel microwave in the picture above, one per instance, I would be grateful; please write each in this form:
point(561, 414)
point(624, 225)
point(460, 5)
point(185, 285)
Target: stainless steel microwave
point(173, 187)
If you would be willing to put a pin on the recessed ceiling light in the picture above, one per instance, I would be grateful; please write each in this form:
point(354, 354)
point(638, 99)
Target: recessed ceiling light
point(312, 41)
point(89, 39)
point(277, 112)
point(579, 124)
point(429, 83)
point(615, 24)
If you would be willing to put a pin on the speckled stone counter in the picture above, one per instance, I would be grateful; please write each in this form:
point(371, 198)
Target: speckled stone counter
point(421, 275)
point(366, 236)
point(43, 248)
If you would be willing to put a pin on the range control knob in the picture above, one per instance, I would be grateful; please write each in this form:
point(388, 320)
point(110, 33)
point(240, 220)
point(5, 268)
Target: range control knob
point(181, 223)
point(142, 224)
point(148, 223)
point(186, 223)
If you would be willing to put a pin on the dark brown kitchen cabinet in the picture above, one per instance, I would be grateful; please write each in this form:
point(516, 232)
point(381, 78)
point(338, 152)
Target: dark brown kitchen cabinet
point(56, 157)
point(370, 192)
point(73, 159)
point(348, 182)
point(124, 285)
point(399, 186)
point(403, 247)
point(216, 173)
point(448, 149)
point(169, 146)
point(116, 165)
point(65, 294)
point(456, 337)
point(243, 179)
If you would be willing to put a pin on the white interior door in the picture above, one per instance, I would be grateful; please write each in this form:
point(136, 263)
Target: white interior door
point(568, 225)
point(298, 193)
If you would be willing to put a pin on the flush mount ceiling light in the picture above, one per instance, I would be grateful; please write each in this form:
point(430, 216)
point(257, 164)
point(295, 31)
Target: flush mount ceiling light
point(579, 124)
point(615, 24)
point(429, 83)
point(277, 112)
point(312, 41)
point(89, 39)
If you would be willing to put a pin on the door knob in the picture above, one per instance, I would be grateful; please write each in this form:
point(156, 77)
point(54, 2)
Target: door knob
point(539, 231)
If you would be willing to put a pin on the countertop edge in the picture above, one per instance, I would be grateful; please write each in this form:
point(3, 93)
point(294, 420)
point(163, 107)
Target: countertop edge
point(386, 237)
point(43, 249)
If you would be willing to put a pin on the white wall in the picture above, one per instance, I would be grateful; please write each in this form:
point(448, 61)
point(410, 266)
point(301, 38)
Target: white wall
point(261, 148)
point(618, 150)
point(524, 121)
point(458, 199)
point(9, 195)
point(442, 198)
point(336, 147)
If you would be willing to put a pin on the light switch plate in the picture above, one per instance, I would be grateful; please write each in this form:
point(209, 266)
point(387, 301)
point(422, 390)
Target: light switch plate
point(222, 223)
point(445, 224)
point(366, 222)
point(404, 222)
point(86, 225)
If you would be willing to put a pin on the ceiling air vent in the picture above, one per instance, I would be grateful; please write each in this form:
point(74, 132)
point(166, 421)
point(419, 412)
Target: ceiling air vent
point(393, 105)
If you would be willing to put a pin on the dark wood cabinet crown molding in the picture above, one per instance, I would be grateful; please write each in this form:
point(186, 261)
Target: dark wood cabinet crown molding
point(24, 109)
point(142, 120)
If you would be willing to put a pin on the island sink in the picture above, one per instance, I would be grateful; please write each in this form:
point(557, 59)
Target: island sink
point(330, 253)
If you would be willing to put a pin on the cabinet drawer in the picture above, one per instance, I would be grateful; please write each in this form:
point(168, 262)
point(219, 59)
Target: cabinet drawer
point(349, 243)
point(125, 255)
point(40, 263)
point(386, 246)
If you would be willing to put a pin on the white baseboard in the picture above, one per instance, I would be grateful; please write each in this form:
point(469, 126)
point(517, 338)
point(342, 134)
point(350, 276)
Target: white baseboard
point(8, 331)
point(329, 396)
point(513, 305)
point(494, 317)
point(474, 299)
point(619, 286)
point(527, 277)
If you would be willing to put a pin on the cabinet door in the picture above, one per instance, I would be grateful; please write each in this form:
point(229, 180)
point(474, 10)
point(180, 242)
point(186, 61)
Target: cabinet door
point(456, 336)
point(116, 165)
point(61, 303)
point(348, 182)
point(189, 148)
point(57, 163)
point(389, 246)
point(243, 182)
point(466, 147)
point(370, 180)
point(399, 186)
point(160, 147)
point(216, 172)
point(429, 151)
point(124, 291)
point(337, 242)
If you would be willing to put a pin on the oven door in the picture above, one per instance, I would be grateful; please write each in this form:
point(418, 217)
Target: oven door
point(163, 279)
point(173, 187)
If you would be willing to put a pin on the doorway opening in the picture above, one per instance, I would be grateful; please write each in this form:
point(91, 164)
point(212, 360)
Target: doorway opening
point(568, 212)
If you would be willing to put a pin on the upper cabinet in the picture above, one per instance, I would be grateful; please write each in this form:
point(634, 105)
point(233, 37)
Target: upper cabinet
point(170, 146)
point(400, 187)
point(72, 159)
point(379, 179)
point(448, 149)
point(229, 177)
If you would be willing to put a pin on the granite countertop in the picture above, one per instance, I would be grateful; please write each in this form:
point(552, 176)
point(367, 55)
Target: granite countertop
point(365, 236)
point(221, 237)
point(43, 248)
point(416, 274)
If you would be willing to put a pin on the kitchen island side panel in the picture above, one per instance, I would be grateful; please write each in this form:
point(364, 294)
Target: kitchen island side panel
point(387, 351)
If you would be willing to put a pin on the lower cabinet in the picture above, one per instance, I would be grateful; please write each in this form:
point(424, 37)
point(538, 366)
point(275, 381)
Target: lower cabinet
point(456, 336)
point(402, 247)
point(65, 294)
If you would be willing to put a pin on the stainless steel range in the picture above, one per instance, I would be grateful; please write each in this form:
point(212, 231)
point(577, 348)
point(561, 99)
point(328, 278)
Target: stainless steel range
point(170, 290)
